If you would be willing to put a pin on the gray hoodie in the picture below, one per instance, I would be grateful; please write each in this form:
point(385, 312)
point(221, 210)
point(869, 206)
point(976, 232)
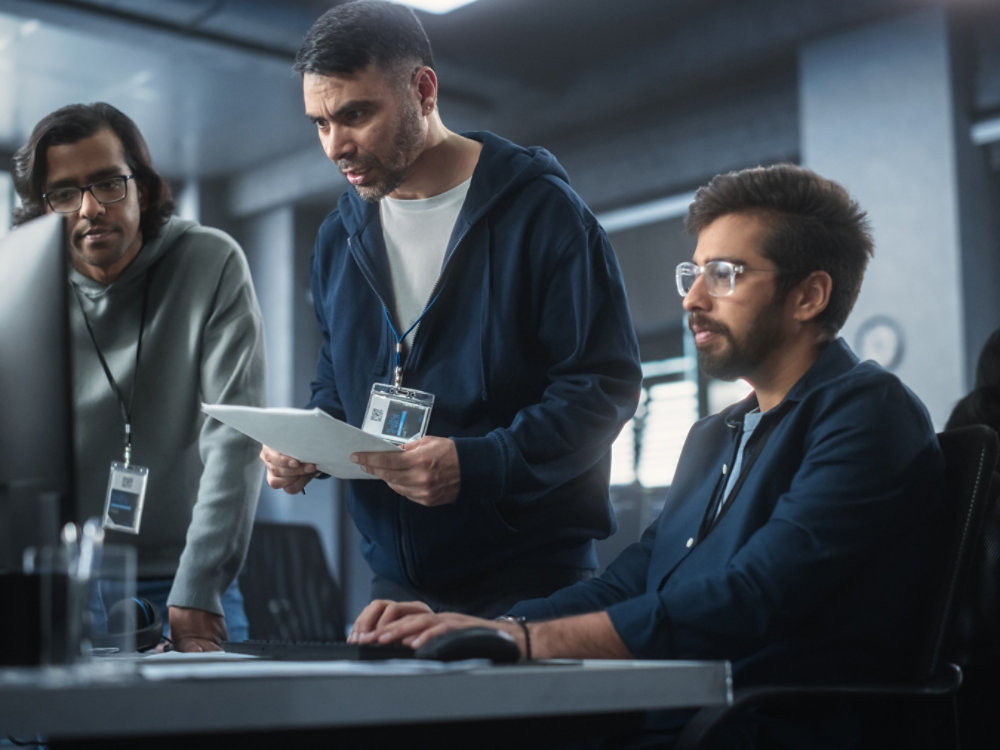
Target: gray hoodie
point(202, 341)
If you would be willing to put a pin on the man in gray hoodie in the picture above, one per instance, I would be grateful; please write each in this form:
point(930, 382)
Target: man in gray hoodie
point(163, 316)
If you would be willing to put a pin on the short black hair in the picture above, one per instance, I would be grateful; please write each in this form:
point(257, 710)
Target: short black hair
point(73, 123)
point(814, 225)
point(349, 37)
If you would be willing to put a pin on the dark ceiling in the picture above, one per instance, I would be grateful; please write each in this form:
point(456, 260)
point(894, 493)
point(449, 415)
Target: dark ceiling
point(600, 83)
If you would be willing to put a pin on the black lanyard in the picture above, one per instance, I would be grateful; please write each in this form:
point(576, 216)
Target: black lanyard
point(126, 409)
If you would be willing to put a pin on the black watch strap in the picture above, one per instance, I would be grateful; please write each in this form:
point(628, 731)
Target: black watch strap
point(523, 623)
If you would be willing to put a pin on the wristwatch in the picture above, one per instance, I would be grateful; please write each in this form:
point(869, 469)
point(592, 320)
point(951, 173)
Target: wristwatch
point(523, 623)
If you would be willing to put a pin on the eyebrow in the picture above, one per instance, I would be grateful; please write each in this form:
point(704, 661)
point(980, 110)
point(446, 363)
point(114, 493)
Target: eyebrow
point(728, 258)
point(364, 104)
point(93, 177)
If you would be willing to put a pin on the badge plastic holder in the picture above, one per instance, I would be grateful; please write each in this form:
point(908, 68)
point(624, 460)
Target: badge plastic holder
point(125, 498)
point(399, 415)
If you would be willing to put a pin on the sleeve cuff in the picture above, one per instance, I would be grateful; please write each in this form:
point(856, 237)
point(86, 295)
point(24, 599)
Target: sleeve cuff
point(480, 463)
point(643, 626)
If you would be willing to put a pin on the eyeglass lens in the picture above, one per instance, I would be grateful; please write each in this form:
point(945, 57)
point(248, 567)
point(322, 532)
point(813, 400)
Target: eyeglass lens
point(719, 277)
point(69, 199)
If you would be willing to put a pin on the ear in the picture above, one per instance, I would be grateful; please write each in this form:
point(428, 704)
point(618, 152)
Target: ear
point(427, 89)
point(811, 296)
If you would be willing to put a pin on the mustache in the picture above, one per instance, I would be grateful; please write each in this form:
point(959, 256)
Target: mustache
point(102, 225)
point(701, 322)
point(350, 165)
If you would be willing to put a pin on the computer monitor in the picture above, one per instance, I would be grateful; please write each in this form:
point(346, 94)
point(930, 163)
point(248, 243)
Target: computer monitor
point(36, 413)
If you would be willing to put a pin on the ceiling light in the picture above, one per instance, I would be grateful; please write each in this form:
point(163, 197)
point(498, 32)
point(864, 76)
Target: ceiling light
point(436, 6)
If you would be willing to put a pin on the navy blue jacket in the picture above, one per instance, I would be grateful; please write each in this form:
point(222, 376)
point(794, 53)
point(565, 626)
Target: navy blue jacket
point(529, 350)
point(814, 569)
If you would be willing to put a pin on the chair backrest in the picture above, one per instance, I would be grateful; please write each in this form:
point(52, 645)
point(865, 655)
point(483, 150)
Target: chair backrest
point(970, 455)
point(976, 641)
point(288, 591)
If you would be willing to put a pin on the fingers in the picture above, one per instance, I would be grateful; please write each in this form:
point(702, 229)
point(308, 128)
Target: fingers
point(426, 471)
point(195, 645)
point(367, 620)
point(379, 615)
point(417, 629)
point(373, 461)
point(289, 485)
point(284, 472)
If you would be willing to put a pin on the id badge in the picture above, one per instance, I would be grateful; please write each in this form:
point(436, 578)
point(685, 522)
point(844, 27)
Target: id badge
point(126, 495)
point(399, 415)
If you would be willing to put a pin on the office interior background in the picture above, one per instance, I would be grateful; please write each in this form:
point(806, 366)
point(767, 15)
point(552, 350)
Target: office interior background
point(641, 100)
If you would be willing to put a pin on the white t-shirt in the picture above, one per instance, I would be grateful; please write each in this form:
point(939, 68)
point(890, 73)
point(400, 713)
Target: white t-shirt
point(416, 237)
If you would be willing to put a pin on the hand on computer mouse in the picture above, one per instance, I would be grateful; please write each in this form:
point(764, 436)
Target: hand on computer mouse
point(415, 626)
point(471, 643)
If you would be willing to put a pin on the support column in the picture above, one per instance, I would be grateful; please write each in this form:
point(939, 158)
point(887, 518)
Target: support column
point(877, 115)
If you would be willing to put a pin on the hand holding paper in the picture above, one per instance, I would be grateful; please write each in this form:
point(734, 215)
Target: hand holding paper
point(310, 435)
point(426, 471)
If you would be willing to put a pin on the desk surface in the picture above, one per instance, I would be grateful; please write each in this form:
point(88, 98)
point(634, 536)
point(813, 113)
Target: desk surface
point(163, 699)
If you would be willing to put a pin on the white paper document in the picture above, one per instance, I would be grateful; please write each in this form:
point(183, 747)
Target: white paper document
point(310, 435)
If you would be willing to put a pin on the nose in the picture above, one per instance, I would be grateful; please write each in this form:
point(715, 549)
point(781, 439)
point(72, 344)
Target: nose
point(90, 206)
point(336, 144)
point(697, 297)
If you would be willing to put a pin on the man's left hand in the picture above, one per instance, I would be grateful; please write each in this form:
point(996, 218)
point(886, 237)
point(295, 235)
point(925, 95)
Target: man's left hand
point(196, 629)
point(425, 471)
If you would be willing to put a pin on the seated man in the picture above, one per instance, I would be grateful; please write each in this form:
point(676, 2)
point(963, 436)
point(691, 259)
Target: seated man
point(796, 532)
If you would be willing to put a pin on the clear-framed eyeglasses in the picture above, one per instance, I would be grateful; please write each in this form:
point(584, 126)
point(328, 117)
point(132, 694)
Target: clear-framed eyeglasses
point(720, 276)
point(66, 200)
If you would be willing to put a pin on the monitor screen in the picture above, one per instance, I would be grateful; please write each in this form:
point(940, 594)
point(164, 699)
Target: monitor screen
point(36, 429)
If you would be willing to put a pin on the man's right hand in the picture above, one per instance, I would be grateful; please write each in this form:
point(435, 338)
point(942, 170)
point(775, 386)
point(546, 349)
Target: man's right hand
point(286, 473)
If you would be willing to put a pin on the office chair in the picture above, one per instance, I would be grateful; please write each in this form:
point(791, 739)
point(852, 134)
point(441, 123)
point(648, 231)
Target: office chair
point(288, 591)
point(918, 705)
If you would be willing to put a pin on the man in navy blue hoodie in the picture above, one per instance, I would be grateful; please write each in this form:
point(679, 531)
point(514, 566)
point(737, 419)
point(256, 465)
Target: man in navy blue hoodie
point(466, 268)
point(796, 534)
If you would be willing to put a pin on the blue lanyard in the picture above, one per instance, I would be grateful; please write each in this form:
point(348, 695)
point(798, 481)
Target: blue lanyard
point(397, 380)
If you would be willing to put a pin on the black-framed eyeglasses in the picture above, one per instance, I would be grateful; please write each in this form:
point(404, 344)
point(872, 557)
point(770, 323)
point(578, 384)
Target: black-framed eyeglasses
point(720, 276)
point(66, 200)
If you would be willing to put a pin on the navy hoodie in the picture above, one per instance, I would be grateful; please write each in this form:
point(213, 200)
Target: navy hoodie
point(529, 350)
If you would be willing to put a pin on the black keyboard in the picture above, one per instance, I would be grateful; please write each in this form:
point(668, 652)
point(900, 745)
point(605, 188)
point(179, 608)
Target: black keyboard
point(318, 650)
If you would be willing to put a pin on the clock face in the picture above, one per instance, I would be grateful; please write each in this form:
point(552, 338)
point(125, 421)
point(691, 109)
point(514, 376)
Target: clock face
point(880, 338)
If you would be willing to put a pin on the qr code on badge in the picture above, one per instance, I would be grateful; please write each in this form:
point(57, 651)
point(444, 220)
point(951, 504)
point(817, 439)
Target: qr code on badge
point(377, 415)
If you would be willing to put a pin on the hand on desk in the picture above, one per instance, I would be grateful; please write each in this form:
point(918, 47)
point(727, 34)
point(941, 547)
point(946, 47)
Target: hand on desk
point(286, 473)
point(425, 471)
point(414, 623)
point(196, 629)
point(585, 636)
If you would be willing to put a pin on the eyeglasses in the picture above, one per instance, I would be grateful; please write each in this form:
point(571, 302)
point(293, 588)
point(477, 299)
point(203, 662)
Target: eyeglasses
point(66, 200)
point(720, 276)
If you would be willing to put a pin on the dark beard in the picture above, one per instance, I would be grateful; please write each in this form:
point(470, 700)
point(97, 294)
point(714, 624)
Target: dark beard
point(397, 166)
point(742, 358)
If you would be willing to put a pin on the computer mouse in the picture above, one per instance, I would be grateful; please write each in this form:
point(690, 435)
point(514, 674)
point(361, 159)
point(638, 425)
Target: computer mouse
point(471, 643)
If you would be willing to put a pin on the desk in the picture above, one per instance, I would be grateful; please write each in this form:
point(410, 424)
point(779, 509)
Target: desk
point(89, 703)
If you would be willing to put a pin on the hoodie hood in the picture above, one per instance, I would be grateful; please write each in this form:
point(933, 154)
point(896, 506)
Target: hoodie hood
point(503, 168)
